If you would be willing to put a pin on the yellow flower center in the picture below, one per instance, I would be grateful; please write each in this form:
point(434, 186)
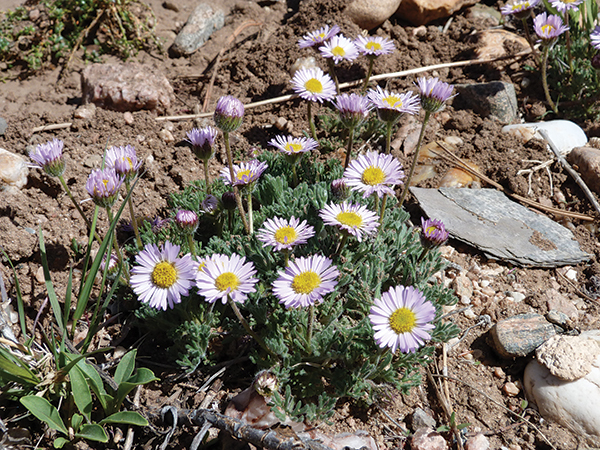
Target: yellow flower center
point(286, 235)
point(338, 51)
point(350, 218)
point(373, 46)
point(314, 86)
point(373, 176)
point(127, 159)
point(227, 280)
point(105, 182)
point(164, 275)
point(201, 266)
point(293, 147)
point(306, 282)
point(430, 230)
point(243, 174)
point(393, 101)
point(547, 29)
point(403, 320)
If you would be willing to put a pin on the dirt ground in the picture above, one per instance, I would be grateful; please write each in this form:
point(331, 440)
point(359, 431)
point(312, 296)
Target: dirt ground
point(256, 67)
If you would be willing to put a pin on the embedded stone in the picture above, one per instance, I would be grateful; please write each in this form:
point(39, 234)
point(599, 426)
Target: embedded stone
point(495, 99)
point(564, 134)
point(368, 14)
point(493, 43)
point(421, 12)
point(521, 335)
point(428, 439)
point(200, 25)
point(587, 161)
point(568, 357)
point(13, 170)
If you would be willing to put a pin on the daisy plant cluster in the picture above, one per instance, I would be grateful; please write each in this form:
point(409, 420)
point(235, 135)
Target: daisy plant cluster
point(299, 263)
point(566, 32)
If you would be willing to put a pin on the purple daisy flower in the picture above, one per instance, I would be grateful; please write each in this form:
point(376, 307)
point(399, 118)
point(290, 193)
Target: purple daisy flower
point(292, 145)
point(229, 113)
point(210, 205)
point(124, 161)
point(519, 8)
point(283, 234)
point(313, 85)
point(374, 46)
point(353, 109)
point(317, 37)
point(49, 157)
point(433, 232)
point(402, 318)
point(374, 173)
point(187, 221)
point(595, 37)
point(434, 93)
point(202, 141)
point(390, 106)
point(244, 174)
point(103, 186)
point(562, 6)
point(548, 28)
point(223, 276)
point(160, 277)
point(305, 281)
point(339, 48)
point(354, 219)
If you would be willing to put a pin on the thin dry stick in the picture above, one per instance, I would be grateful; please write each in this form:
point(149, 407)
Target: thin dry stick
point(82, 35)
point(52, 126)
point(445, 402)
point(463, 165)
point(230, 40)
point(571, 171)
point(383, 76)
point(500, 405)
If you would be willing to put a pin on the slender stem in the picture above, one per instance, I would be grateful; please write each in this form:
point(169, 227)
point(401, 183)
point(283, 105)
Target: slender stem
point(249, 330)
point(230, 220)
point(341, 244)
point(134, 223)
point(528, 37)
point(545, 81)
point(331, 65)
point(236, 192)
point(388, 137)
point(206, 176)
point(311, 123)
point(382, 211)
point(349, 147)
point(414, 163)
point(116, 244)
point(568, 40)
point(250, 212)
point(376, 197)
point(286, 257)
point(309, 328)
point(369, 73)
point(295, 180)
point(192, 244)
point(83, 216)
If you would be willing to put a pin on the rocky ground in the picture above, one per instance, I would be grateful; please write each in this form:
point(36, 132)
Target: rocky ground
point(484, 390)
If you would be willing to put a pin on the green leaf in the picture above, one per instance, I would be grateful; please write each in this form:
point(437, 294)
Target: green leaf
point(81, 392)
point(126, 417)
point(43, 410)
point(76, 421)
point(60, 442)
point(92, 432)
point(56, 309)
point(125, 367)
point(20, 306)
point(143, 376)
point(13, 369)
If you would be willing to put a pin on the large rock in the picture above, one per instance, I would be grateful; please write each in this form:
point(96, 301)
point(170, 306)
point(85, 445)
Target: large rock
point(421, 12)
point(572, 404)
point(203, 22)
point(495, 99)
point(126, 87)
point(368, 14)
point(493, 43)
point(521, 335)
point(13, 170)
point(564, 134)
point(587, 161)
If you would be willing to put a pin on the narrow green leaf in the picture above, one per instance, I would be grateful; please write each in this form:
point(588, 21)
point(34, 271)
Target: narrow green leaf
point(68, 295)
point(54, 303)
point(13, 369)
point(125, 367)
point(20, 307)
point(92, 432)
point(45, 411)
point(81, 392)
point(126, 417)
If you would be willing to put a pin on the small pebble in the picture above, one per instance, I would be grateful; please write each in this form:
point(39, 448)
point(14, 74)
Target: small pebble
point(511, 389)
point(571, 274)
point(39, 275)
point(128, 117)
point(470, 314)
point(166, 136)
point(516, 296)
point(92, 161)
point(170, 5)
point(484, 283)
point(477, 442)
point(499, 373)
point(3, 126)
point(420, 31)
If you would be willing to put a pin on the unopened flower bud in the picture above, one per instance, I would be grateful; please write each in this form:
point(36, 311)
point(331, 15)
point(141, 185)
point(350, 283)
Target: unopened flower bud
point(266, 383)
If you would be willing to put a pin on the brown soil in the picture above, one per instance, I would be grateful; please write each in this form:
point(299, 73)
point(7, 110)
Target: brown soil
point(256, 68)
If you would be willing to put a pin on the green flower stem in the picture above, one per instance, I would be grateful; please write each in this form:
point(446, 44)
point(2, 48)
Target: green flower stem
point(349, 147)
point(414, 163)
point(341, 244)
point(295, 180)
point(249, 330)
point(545, 80)
point(382, 211)
point(83, 216)
point(388, 137)
point(331, 66)
point(192, 244)
point(376, 197)
point(369, 73)
point(311, 123)
point(116, 244)
point(206, 176)
point(230, 220)
point(309, 328)
point(528, 37)
point(286, 257)
point(250, 212)
point(568, 41)
point(236, 191)
point(134, 223)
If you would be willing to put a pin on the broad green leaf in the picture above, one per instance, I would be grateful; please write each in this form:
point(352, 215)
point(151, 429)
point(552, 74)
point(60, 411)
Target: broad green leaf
point(60, 442)
point(126, 417)
point(125, 367)
point(43, 410)
point(76, 421)
point(81, 392)
point(142, 376)
point(92, 432)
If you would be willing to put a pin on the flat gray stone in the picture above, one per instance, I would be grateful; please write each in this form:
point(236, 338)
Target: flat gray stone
point(495, 99)
point(491, 222)
point(521, 335)
point(201, 23)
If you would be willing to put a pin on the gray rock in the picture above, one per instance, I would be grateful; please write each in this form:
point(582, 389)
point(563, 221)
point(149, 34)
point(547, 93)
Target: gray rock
point(520, 335)
point(557, 318)
point(368, 14)
point(203, 22)
point(421, 12)
point(126, 87)
point(495, 99)
point(501, 228)
point(587, 161)
point(428, 439)
point(3, 126)
point(420, 419)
